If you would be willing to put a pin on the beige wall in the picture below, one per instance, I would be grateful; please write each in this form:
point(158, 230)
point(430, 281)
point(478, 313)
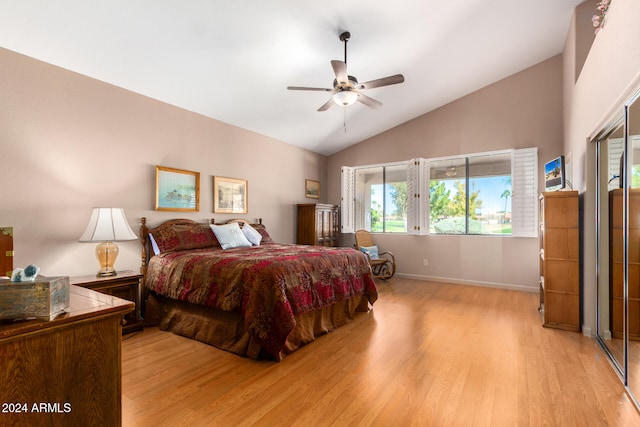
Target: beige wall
point(610, 75)
point(524, 110)
point(69, 143)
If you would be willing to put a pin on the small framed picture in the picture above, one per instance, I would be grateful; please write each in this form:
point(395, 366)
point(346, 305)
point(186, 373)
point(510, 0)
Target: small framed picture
point(312, 189)
point(177, 190)
point(230, 195)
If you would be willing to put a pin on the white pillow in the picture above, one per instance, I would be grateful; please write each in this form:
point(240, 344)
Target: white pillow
point(251, 234)
point(230, 236)
point(154, 245)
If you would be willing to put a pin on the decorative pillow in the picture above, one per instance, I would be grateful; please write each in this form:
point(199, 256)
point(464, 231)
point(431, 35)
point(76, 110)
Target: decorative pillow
point(372, 251)
point(230, 236)
point(266, 239)
point(251, 234)
point(184, 237)
point(154, 245)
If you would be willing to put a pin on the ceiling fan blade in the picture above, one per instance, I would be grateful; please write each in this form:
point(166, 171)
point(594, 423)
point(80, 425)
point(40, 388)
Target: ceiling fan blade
point(340, 70)
point(322, 89)
point(369, 102)
point(385, 81)
point(326, 105)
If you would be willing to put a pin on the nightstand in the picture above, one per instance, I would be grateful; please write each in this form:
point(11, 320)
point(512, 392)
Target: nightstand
point(125, 285)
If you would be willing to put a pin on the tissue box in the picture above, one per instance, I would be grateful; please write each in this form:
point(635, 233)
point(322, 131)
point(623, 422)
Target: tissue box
point(45, 298)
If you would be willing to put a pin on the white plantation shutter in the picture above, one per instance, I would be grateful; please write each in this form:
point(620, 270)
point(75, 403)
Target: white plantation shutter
point(425, 211)
point(347, 200)
point(524, 197)
point(418, 196)
point(413, 200)
point(418, 200)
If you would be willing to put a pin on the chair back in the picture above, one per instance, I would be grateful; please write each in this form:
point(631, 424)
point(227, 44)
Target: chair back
point(363, 238)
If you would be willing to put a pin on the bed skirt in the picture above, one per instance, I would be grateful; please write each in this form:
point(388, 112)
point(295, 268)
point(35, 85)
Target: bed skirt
point(226, 331)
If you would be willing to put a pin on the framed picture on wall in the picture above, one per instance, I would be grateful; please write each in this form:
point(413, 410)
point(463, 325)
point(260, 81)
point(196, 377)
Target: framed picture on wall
point(230, 195)
point(177, 190)
point(312, 189)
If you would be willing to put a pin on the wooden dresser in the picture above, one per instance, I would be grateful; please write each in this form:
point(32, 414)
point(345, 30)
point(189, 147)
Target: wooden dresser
point(67, 371)
point(318, 224)
point(560, 260)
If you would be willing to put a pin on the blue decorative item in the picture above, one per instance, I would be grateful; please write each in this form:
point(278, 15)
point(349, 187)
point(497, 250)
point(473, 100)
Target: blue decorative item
point(28, 274)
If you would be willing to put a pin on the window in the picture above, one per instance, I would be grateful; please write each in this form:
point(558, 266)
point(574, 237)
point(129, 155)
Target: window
point(471, 195)
point(487, 193)
point(381, 198)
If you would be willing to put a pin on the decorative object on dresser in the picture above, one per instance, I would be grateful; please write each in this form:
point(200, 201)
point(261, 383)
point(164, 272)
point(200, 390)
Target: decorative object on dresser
point(230, 195)
point(312, 189)
point(265, 300)
point(560, 260)
point(107, 226)
point(318, 224)
point(43, 298)
point(27, 274)
point(383, 264)
point(126, 285)
point(177, 190)
point(6, 251)
point(66, 372)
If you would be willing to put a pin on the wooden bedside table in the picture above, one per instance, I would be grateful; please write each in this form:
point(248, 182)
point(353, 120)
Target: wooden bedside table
point(125, 285)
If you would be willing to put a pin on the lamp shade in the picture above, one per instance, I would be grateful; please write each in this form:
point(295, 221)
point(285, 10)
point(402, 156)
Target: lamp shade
point(107, 225)
point(345, 97)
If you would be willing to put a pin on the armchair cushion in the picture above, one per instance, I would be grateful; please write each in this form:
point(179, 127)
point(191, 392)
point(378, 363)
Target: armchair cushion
point(372, 251)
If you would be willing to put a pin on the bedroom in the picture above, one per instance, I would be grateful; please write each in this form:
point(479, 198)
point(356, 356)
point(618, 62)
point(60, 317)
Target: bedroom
point(70, 143)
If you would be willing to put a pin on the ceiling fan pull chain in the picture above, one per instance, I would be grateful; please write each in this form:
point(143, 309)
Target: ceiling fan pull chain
point(344, 120)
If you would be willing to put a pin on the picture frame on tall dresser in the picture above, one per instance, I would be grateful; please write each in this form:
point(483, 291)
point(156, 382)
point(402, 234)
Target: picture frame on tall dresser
point(312, 189)
point(177, 190)
point(230, 195)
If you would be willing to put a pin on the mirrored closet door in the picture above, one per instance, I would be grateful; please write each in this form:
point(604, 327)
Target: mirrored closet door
point(618, 245)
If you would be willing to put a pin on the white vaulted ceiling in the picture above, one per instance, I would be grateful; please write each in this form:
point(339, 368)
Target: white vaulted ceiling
point(232, 60)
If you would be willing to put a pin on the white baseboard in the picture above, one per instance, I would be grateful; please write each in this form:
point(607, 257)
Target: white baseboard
point(509, 286)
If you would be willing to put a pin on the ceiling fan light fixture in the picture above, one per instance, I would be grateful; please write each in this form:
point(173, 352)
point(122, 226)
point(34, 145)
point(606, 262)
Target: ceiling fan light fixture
point(345, 97)
point(346, 89)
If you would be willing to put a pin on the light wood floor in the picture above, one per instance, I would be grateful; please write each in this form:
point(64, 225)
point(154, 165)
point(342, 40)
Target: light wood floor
point(429, 354)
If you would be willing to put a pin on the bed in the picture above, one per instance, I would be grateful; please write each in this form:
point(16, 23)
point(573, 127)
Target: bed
point(261, 300)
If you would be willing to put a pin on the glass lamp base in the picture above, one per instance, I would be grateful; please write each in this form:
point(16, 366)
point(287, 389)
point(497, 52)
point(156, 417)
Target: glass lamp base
point(106, 252)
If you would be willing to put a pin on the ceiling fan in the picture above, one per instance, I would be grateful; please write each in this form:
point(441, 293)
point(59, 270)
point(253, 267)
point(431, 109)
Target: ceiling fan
point(346, 89)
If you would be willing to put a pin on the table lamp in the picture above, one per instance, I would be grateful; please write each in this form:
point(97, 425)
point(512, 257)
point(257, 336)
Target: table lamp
point(107, 226)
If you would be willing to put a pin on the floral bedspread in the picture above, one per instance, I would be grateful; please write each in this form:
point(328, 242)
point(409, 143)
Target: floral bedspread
point(268, 284)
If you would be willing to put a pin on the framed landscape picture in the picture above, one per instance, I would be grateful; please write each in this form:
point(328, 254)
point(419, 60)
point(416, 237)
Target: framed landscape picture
point(312, 189)
point(177, 190)
point(230, 195)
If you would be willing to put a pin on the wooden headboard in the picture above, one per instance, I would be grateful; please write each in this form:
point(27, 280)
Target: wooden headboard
point(240, 221)
point(147, 250)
